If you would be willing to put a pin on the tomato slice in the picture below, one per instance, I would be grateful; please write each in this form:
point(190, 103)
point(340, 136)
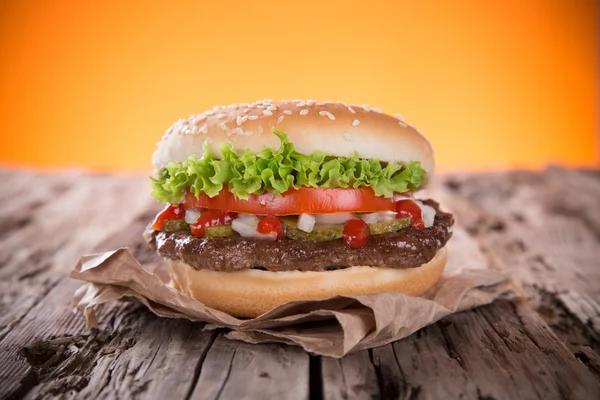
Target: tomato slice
point(296, 201)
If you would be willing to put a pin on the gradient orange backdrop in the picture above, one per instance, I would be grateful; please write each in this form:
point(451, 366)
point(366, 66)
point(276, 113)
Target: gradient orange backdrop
point(493, 84)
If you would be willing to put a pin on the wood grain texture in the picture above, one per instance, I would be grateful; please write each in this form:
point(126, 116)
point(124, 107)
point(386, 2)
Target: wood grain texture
point(350, 377)
point(238, 370)
point(545, 346)
point(544, 229)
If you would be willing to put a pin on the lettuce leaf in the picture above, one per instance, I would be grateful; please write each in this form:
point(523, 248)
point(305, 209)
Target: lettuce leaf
point(276, 171)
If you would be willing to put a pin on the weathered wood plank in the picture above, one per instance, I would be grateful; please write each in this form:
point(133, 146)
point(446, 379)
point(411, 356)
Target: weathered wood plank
point(351, 377)
point(543, 229)
point(37, 254)
point(501, 350)
point(48, 351)
point(516, 216)
point(238, 370)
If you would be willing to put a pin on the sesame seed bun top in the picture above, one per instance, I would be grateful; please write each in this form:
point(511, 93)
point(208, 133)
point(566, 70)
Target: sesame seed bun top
point(336, 128)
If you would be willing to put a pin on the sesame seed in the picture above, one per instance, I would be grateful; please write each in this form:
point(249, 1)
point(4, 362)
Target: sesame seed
point(238, 120)
point(303, 112)
point(267, 112)
point(310, 102)
point(260, 129)
point(378, 110)
point(266, 102)
point(328, 114)
point(199, 119)
point(301, 104)
point(248, 133)
point(244, 118)
point(351, 110)
point(186, 131)
point(223, 126)
point(252, 117)
point(280, 119)
point(355, 122)
point(194, 130)
point(399, 117)
point(261, 106)
point(287, 112)
point(221, 115)
point(237, 131)
point(320, 103)
point(246, 110)
point(271, 108)
point(209, 112)
point(204, 128)
point(366, 107)
point(402, 123)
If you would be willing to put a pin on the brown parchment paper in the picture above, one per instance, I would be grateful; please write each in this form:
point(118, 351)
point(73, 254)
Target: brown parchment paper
point(332, 327)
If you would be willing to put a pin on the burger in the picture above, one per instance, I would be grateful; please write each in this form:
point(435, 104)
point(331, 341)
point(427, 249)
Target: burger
point(273, 202)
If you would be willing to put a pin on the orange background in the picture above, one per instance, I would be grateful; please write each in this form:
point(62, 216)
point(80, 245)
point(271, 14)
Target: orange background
point(493, 84)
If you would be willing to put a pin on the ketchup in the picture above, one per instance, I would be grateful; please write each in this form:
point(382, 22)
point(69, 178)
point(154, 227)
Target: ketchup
point(356, 233)
point(270, 224)
point(408, 208)
point(170, 212)
point(212, 218)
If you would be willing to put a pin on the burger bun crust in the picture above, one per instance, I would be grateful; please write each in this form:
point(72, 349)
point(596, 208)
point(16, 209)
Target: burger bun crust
point(338, 129)
point(250, 293)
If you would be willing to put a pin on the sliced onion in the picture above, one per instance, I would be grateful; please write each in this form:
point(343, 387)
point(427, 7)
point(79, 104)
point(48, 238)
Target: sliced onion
point(306, 222)
point(333, 219)
point(381, 216)
point(192, 215)
point(428, 214)
point(245, 225)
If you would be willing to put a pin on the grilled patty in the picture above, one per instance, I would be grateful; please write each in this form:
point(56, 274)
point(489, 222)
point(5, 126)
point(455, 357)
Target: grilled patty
point(407, 248)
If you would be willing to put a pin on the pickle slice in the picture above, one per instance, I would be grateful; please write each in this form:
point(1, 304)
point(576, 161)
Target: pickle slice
point(320, 233)
point(219, 231)
point(389, 226)
point(172, 225)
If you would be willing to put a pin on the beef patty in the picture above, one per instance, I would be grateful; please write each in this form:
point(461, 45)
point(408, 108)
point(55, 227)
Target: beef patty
point(407, 248)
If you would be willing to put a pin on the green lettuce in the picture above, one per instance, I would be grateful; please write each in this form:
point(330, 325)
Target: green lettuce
point(276, 171)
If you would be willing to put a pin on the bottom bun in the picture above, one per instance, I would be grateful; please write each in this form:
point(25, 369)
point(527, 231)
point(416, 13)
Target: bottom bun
point(250, 292)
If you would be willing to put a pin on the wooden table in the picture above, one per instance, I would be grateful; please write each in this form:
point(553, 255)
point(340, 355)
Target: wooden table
point(541, 228)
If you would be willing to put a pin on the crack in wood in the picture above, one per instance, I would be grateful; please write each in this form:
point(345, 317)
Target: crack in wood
point(315, 378)
point(67, 361)
point(198, 367)
point(448, 345)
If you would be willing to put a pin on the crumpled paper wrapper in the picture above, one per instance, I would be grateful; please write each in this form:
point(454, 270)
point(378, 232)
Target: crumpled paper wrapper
point(331, 327)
